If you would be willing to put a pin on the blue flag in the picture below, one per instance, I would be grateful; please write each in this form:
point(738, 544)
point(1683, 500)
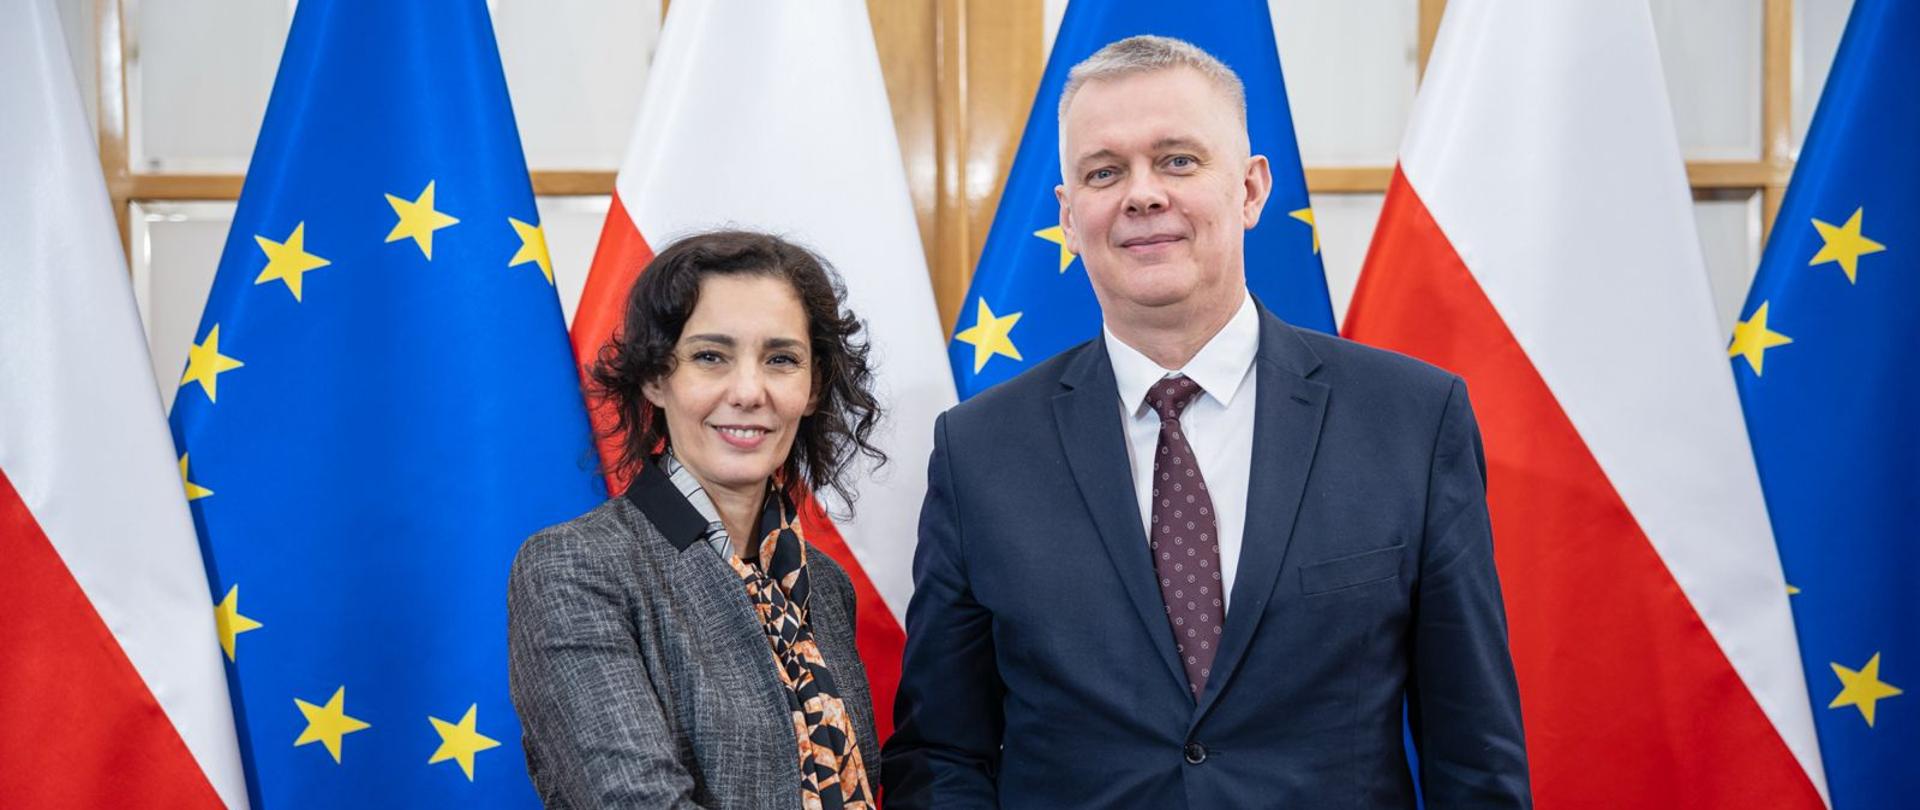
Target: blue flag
point(1823, 356)
point(1030, 298)
point(380, 405)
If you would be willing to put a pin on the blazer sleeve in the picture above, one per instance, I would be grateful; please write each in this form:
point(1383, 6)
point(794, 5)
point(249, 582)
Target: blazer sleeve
point(595, 732)
point(1463, 702)
point(945, 749)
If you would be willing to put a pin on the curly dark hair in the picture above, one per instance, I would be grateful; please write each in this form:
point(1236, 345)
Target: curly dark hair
point(658, 307)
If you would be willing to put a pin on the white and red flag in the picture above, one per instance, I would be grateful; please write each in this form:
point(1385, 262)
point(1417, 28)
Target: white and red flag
point(114, 692)
point(774, 116)
point(1538, 239)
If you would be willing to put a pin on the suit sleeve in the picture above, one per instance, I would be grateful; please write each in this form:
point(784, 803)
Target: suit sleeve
point(1463, 702)
point(945, 750)
point(595, 733)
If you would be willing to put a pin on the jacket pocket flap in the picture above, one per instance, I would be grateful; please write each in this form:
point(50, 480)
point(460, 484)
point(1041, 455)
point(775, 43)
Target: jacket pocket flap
point(1346, 572)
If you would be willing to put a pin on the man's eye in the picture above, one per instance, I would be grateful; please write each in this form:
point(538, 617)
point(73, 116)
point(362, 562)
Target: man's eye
point(1101, 175)
point(1182, 162)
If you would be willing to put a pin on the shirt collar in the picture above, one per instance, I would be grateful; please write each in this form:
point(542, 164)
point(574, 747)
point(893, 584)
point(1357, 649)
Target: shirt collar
point(668, 494)
point(689, 487)
point(1219, 367)
point(655, 495)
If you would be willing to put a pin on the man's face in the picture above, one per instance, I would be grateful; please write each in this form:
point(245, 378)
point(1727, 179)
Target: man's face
point(1159, 192)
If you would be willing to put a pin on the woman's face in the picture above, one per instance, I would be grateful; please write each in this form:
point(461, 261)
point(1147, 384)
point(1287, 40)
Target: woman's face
point(742, 378)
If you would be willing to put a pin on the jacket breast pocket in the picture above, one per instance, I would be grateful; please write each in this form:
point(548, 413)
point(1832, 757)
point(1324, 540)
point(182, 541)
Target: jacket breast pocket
point(1364, 568)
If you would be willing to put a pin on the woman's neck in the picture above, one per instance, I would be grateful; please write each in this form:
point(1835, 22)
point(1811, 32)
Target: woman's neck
point(739, 514)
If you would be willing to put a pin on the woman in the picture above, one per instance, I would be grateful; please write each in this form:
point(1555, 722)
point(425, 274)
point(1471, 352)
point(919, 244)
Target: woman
point(678, 645)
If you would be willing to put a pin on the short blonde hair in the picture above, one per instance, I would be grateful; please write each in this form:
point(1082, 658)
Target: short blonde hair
point(1146, 54)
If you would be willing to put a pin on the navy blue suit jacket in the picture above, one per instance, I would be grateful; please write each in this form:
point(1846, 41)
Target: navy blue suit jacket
point(1040, 668)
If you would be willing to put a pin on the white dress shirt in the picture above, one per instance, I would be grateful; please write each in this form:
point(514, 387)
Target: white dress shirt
point(1218, 424)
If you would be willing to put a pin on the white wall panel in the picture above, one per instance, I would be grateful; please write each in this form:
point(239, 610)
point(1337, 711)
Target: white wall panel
point(198, 76)
point(1345, 222)
point(1730, 239)
point(176, 250)
point(1351, 69)
point(1817, 26)
point(576, 70)
point(1711, 51)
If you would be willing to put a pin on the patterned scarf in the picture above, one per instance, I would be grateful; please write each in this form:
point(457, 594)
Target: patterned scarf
point(832, 774)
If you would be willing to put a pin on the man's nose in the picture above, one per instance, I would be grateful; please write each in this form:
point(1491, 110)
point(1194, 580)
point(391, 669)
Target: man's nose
point(1145, 193)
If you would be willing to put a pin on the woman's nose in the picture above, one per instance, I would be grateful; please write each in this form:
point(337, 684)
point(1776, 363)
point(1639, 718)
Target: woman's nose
point(746, 387)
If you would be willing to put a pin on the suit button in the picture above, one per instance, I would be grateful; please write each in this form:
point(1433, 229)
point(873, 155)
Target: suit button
point(1196, 753)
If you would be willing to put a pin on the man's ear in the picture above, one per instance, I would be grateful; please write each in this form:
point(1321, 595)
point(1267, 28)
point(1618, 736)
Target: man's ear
point(1259, 185)
point(1066, 219)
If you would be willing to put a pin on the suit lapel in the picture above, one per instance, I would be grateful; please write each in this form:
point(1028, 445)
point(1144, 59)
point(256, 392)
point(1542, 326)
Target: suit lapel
point(1286, 432)
point(1087, 416)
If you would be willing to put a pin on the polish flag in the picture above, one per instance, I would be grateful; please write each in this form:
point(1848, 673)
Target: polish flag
point(1538, 238)
point(773, 116)
point(114, 692)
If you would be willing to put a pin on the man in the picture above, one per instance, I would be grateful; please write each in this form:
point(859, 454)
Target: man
point(1204, 560)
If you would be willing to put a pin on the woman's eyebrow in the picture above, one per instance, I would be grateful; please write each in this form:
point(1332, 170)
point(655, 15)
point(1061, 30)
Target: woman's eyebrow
point(724, 340)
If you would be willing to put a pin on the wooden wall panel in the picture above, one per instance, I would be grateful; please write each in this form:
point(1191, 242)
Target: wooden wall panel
point(1776, 108)
point(903, 30)
point(987, 62)
point(1004, 61)
point(110, 56)
point(960, 75)
point(1429, 27)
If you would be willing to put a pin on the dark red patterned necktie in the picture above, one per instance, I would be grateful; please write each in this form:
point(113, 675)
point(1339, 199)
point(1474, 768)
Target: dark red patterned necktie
point(1184, 540)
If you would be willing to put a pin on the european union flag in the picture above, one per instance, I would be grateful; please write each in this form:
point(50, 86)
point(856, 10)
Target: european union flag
point(1030, 298)
point(380, 405)
point(1823, 357)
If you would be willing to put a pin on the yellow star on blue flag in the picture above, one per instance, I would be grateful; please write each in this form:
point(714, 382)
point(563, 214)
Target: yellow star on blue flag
point(460, 741)
point(1306, 215)
point(1862, 688)
point(990, 335)
point(328, 724)
point(1058, 236)
point(418, 219)
point(288, 261)
point(533, 248)
point(1844, 245)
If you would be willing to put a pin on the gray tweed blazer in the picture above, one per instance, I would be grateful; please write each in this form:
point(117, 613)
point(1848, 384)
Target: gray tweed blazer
point(640, 670)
